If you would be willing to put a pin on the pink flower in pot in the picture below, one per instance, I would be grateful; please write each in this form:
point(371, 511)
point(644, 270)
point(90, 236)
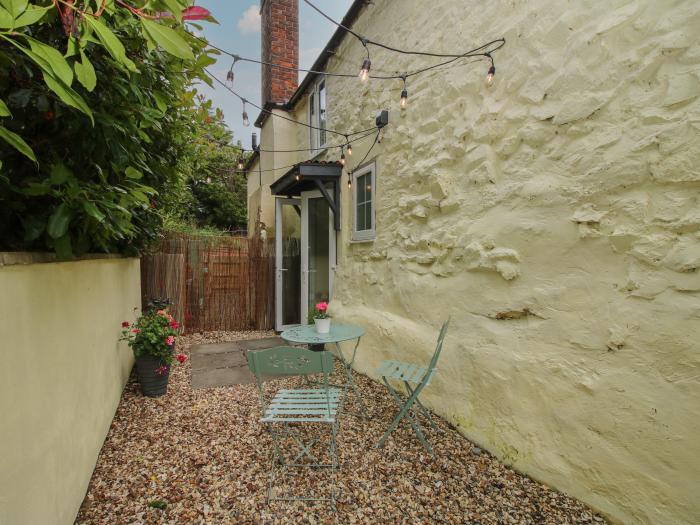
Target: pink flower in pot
point(170, 340)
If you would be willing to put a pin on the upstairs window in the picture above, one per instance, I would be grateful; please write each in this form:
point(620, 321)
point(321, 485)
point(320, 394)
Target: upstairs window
point(318, 116)
point(364, 204)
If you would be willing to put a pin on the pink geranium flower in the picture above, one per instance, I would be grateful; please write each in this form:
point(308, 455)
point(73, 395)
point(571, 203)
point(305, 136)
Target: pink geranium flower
point(322, 306)
point(181, 357)
point(169, 340)
point(162, 312)
point(174, 325)
point(125, 324)
point(161, 370)
point(136, 331)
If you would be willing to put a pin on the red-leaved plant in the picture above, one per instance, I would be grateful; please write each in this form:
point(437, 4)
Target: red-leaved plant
point(154, 334)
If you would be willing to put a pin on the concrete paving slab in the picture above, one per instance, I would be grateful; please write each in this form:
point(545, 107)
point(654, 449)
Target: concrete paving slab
point(225, 364)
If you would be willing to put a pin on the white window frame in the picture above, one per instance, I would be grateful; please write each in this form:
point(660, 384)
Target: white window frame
point(314, 103)
point(370, 234)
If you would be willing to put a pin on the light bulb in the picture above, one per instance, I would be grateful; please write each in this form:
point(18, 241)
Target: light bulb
point(240, 164)
point(349, 149)
point(489, 77)
point(342, 159)
point(229, 78)
point(246, 121)
point(404, 98)
point(297, 177)
point(364, 72)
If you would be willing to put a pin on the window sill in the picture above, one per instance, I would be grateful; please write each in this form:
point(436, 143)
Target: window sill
point(362, 241)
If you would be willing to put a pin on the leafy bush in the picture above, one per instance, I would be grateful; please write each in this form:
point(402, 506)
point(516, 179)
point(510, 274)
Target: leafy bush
point(96, 111)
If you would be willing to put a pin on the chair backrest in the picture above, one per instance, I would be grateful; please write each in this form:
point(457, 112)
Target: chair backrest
point(288, 361)
point(436, 354)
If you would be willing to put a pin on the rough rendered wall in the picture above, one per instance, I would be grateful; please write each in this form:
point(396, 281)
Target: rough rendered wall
point(556, 218)
point(62, 371)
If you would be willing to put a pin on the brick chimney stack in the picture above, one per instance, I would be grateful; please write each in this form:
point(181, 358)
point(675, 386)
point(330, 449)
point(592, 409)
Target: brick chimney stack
point(280, 45)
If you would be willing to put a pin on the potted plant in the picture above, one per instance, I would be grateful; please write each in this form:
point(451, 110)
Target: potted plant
point(321, 318)
point(152, 338)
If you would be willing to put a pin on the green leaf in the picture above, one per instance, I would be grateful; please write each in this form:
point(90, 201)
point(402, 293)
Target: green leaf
point(68, 95)
point(72, 47)
point(53, 81)
point(6, 20)
point(111, 43)
point(32, 15)
point(93, 211)
point(144, 137)
point(33, 228)
point(14, 7)
point(55, 60)
point(60, 174)
point(175, 8)
point(34, 189)
point(63, 247)
point(161, 101)
point(18, 143)
point(58, 222)
point(4, 110)
point(85, 73)
point(168, 39)
point(133, 173)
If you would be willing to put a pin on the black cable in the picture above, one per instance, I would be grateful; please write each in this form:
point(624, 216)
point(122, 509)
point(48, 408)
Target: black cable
point(246, 101)
point(481, 50)
point(376, 139)
point(453, 58)
point(329, 146)
point(309, 160)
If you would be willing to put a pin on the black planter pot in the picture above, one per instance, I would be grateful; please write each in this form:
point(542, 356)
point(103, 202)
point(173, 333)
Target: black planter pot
point(152, 383)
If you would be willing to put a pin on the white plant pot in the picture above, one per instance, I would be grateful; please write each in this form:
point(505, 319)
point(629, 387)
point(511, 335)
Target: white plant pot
point(323, 326)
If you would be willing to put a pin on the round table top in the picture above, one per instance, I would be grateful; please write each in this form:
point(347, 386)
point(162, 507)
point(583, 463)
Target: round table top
point(308, 334)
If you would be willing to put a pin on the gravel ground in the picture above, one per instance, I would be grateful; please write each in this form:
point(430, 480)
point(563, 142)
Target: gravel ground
point(203, 455)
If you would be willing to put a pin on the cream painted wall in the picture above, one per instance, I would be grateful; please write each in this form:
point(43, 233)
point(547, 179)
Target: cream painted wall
point(555, 217)
point(61, 379)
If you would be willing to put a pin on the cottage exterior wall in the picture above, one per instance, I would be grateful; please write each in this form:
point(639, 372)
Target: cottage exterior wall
point(555, 217)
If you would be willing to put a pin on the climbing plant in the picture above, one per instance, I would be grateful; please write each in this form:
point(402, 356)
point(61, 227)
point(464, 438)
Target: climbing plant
point(96, 105)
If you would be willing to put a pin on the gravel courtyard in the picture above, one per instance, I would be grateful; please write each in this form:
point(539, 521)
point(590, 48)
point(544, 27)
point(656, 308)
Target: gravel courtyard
point(203, 456)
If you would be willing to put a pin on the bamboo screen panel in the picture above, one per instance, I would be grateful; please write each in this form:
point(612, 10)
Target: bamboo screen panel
point(213, 283)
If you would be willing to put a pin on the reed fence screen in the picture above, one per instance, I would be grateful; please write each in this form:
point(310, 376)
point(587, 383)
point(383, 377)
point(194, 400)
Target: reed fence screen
point(213, 283)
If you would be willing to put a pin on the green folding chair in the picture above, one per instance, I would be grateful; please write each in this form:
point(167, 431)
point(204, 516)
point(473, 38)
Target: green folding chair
point(411, 374)
point(289, 407)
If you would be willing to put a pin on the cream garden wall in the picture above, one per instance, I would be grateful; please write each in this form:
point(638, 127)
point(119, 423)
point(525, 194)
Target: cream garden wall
point(555, 217)
point(61, 376)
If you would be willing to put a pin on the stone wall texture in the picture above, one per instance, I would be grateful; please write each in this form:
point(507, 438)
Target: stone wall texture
point(555, 217)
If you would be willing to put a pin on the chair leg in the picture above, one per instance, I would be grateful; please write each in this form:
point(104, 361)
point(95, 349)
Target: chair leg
point(424, 411)
point(405, 407)
point(347, 368)
point(413, 419)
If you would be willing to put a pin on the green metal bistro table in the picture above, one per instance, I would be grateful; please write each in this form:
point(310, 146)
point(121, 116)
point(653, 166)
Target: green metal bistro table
point(307, 334)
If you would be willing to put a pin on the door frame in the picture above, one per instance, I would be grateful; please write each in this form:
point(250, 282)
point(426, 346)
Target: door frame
point(332, 262)
point(279, 271)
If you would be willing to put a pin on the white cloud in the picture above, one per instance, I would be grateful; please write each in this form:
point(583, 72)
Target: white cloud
point(250, 21)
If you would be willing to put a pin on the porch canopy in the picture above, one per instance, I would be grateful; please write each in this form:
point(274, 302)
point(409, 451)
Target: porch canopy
point(310, 176)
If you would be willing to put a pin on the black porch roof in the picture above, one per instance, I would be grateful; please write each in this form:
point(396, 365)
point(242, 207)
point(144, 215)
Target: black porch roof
point(303, 177)
point(309, 176)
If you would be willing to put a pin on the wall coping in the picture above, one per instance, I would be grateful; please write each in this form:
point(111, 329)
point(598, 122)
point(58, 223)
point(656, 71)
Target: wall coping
point(14, 258)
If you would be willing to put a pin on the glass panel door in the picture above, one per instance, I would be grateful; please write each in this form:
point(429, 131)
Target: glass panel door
point(318, 251)
point(288, 264)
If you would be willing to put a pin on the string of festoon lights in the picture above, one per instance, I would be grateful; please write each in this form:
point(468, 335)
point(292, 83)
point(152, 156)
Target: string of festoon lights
point(345, 146)
point(484, 51)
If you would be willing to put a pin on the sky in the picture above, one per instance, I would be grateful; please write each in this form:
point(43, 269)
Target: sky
point(239, 32)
